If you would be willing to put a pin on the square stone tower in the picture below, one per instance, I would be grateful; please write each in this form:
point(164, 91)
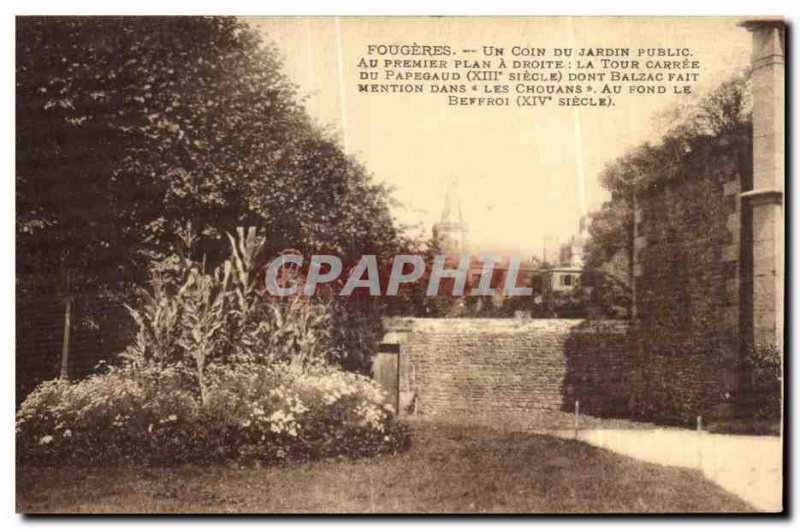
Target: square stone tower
point(766, 198)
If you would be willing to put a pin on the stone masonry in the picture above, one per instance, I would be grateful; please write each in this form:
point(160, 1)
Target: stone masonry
point(766, 196)
point(505, 366)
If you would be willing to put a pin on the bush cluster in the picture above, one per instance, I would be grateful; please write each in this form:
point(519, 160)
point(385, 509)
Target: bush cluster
point(252, 413)
point(763, 368)
point(218, 372)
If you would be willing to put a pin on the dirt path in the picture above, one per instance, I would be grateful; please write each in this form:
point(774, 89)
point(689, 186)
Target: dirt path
point(747, 465)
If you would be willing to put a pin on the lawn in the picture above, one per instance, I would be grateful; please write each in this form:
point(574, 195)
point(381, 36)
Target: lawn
point(452, 469)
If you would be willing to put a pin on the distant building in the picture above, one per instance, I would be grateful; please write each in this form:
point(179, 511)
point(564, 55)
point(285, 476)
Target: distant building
point(571, 253)
point(566, 276)
point(451, 230)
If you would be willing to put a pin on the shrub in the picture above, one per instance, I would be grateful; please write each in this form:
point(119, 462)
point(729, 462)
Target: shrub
point(218, 371)
point(251, 413)
point(763, 384)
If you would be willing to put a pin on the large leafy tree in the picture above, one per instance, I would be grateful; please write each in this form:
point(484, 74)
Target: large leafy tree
point(130, 127)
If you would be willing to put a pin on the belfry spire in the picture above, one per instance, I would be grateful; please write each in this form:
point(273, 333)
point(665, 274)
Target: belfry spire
point(451, 230)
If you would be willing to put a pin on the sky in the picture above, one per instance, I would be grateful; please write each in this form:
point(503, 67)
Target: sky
point(524, 174)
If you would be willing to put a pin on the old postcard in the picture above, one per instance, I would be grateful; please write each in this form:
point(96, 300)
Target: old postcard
point(399, 264)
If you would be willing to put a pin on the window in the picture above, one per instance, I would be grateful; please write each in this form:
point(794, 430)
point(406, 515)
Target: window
point(566, 280)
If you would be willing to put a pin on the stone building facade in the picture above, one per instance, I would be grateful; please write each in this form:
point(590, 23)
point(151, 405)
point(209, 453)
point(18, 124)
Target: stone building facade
point(708, 259)
point(688, 272)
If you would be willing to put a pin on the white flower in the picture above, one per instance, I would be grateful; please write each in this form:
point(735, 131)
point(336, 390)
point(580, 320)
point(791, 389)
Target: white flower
point(173, 417)
point(47, 439)
point(67, 433)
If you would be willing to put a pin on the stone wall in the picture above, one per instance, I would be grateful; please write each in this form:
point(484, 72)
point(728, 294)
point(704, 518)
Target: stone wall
point(477, 367)
point(691, 286)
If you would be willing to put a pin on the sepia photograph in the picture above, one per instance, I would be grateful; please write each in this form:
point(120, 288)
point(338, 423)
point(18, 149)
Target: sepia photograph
point(399, 264)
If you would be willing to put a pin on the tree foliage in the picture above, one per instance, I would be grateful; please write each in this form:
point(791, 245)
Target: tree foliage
point(723, 115)
point(129, 127)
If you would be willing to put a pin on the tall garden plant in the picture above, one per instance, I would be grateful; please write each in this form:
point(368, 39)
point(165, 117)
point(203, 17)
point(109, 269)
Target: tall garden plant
point(196, 320)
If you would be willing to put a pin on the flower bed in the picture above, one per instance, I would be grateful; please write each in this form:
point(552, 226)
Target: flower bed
point(251, 413)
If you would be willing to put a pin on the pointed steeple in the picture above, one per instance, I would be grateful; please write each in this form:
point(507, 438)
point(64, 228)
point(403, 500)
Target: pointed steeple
point(451, 213)
point(451, 230)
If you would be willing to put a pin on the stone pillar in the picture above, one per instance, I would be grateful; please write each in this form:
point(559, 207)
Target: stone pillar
point(766, 197)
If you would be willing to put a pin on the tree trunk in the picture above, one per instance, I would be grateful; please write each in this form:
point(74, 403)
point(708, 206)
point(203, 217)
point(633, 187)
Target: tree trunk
point(632, 257)
point(65, 344)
